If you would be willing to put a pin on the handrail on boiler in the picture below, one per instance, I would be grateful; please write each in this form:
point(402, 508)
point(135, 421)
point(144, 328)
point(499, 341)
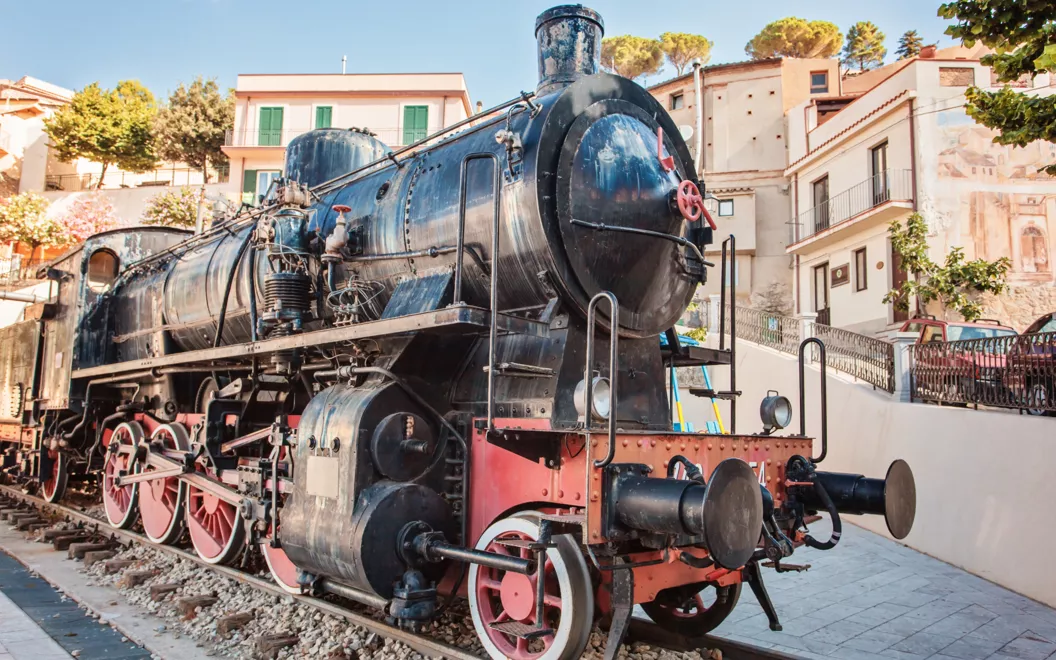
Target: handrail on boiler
point(588, 381)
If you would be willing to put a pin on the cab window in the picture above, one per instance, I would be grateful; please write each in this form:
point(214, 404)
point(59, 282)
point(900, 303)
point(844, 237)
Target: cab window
point(103, 268)
point(931, 333)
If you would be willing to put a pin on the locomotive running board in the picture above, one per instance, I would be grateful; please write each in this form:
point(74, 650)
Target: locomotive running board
point(460, 319)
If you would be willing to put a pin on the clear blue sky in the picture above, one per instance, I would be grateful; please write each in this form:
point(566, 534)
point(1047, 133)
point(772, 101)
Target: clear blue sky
point(163, 42)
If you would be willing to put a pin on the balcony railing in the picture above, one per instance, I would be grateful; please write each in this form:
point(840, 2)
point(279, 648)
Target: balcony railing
point(173, 176)
point(887, 186)
point(255, 137)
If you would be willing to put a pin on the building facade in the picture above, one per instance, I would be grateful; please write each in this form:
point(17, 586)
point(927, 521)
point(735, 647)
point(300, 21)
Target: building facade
point(906, 145)
point(272, 109)
point(744, 152)
point(24, 152)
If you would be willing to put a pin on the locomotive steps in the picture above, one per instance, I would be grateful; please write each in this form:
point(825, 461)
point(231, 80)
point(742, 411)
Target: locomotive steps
point(237, 614)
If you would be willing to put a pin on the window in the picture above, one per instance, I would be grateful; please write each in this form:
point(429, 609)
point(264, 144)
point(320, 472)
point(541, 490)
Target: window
point(270, 127)
point(821, 204)
point(103, 268)
point(725, 208)
point(878, 170)
point(678, 101)
point(323, 116)
point(821, 287)
point(931, 333)
point(861, 270)
point(256, 182)
point(415, 123)
point(956, 76)
point(1034, 250)
point(819, 82)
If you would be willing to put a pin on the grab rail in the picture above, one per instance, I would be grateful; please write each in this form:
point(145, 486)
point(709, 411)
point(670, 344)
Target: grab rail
point(614, 361)
point(824, 397)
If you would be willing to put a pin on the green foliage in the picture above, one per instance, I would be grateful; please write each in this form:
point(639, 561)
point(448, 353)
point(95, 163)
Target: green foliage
point(909, 45)
point(191, 127)
point(112, 127)
point(682, 48)
point(24, 219)
point(950, 284)
point(700, 334)
point(175, 208)
point(1023, 32)
point(865, 47)
point(630, 56)
point(795, 37)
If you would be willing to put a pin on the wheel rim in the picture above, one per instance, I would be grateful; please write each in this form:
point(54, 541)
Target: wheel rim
point(120, 501)
point(161, 501)
point(499, 596)
point(215, 526)
point(698, 614)
point(283, 571)
point(1038, 395)
point(54, 487)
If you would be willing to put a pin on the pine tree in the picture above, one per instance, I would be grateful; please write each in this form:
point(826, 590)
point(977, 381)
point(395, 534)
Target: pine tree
point(630, 56)
point(681, 49)
point(865, 47)
point(909, 45)
point(795, 37)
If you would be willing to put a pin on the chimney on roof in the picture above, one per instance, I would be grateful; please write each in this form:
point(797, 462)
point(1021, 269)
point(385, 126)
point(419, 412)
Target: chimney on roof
point(928, 52)
point(344, 59)
point(480, 107)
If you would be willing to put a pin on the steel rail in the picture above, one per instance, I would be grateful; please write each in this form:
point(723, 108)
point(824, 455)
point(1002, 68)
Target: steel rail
point(423, 645)
point(641, 630)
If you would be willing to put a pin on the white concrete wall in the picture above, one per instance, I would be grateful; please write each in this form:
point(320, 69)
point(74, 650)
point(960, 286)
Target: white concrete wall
point(129, 203)
point(11, 310)
point(982, 477)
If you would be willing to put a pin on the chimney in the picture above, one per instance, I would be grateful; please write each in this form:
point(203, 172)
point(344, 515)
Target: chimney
point(569, 39)
point(928, 52)
point(480, 107)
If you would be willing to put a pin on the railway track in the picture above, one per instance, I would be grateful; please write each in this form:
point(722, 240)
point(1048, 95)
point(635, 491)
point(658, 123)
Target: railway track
point(641, 630)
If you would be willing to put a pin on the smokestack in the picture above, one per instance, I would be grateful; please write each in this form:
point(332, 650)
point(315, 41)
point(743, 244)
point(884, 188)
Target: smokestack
point(569, 39)
point(344, 59)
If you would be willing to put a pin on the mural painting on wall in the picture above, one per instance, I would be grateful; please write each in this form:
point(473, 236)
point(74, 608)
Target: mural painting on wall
point(996, 200)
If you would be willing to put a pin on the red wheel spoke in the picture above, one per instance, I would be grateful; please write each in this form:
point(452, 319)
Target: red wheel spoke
point(550, 600)
point(490, 584)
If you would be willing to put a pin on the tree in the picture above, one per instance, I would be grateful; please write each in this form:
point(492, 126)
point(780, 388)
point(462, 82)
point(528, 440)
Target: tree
point(865, 47)
point(631, 56)
point(111, 127)
point(682, 48)
point(795, 37)
point(192, 126)
point(909, 45)
point(173, 209)
point(87, 216)
point(952, 284)
point(1024, 36)
point(24, 219)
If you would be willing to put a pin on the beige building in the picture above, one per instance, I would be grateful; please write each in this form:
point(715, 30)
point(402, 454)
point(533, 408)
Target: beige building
point(907, 145)
point(744, 146)
point(24, 153)
point(272, 109)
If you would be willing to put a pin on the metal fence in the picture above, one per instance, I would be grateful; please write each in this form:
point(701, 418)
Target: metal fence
point(886, 186)
point(17, 270)
point(866, 358)
point(1017, 372)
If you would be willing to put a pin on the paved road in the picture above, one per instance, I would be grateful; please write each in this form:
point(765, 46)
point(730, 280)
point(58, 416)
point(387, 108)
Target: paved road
point(873, 599)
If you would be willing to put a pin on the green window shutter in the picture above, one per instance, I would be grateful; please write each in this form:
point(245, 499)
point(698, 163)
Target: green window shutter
point(249, 186)
point(270, 127)
point(323, 116)
point(415, 123)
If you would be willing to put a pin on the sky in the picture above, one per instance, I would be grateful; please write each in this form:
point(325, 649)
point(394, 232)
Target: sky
point(164, 42)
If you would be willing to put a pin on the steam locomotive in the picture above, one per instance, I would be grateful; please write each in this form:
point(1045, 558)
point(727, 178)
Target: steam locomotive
point(386, 379)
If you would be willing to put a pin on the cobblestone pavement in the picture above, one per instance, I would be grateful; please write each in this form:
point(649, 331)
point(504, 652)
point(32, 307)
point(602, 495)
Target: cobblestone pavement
point(873, 599)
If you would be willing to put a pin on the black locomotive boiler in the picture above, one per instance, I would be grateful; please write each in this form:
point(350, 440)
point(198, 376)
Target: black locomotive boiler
point(387, 379)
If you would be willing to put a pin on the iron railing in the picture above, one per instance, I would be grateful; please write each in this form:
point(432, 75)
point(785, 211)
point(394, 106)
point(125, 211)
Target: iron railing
point(17, 270)
point(172, 176)
point(886, 186)
point(866, 358)
point(773, 330)
point(255, 137)
point(1017, 371)
point(869, 359)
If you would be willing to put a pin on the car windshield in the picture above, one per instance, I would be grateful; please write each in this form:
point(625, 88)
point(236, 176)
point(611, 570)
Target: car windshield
point(958, 332)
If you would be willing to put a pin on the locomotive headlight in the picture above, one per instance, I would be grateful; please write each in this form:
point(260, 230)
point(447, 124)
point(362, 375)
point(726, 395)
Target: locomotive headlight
point(776, 412)
point(599, 404)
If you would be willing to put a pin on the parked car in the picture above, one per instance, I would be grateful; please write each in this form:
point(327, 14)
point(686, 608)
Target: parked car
point(1031, 366)
point(973, 371)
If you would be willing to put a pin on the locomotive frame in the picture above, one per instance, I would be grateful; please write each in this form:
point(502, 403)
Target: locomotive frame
point(328, 380)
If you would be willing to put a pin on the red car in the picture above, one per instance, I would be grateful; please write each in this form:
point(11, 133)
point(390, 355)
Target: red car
point(972, 371)
point(1031, 366)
